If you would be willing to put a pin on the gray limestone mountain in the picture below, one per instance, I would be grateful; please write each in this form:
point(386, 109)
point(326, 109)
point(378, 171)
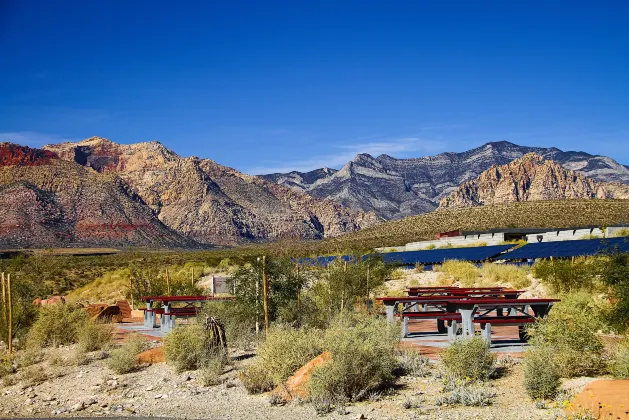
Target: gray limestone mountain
point(210, 203)
point(396, 188)
point(530, 178)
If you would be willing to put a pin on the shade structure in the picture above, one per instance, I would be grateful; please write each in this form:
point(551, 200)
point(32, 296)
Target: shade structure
point(438, 256)
point(321, 261)
point(567, 249)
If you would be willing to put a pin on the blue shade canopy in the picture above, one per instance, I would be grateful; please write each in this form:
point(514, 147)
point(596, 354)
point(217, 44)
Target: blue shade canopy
point(321, 261)
point(436, 256)
point(566, 249)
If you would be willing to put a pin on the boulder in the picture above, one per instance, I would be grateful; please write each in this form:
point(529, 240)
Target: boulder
point(152, 356)
point(297, 385)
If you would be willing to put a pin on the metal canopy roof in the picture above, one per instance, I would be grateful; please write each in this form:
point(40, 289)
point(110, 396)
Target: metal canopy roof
point(567, 249)
point(437, 256)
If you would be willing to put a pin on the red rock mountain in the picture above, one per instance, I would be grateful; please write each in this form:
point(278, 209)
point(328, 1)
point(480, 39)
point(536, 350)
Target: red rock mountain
point(210, 203)
point(530, 178)
point(48, 202)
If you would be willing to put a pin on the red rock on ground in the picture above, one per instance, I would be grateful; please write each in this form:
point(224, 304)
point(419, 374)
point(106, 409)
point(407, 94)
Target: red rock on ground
point(605, 399)
point(297, 385)
point(152, 356)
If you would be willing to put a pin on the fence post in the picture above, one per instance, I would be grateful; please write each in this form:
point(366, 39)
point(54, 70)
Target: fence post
point(10, 313)
point(266, 296)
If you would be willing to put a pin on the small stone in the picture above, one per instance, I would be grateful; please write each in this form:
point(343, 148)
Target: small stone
point(80, 406)
point(150, 388)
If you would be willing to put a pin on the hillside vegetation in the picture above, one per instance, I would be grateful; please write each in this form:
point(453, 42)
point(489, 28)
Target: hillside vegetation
point(538, 214)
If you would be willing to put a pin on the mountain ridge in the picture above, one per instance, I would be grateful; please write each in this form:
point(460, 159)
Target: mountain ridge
point(395, 188)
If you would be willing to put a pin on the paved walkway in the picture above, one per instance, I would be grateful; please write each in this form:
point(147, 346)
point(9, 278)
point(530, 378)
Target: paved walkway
point(423, 333)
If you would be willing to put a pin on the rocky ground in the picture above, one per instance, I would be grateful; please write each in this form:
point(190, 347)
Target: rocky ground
point(58, 387)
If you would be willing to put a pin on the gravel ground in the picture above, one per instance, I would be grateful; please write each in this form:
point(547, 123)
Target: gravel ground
point(92, 390)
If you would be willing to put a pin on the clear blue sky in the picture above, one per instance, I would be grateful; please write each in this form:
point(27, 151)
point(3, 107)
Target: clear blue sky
point(266, 85)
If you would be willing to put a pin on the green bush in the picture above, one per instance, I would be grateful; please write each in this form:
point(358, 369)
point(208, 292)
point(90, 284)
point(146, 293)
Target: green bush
point(184, 349)
point(94, 336)
point(541, 376)
point(565, 276)
point(464, 272)
point(469, 359)
point(619, 365)
point(57, 325)
point(125, 358)
point(494, 274)
point(569, 333)
point(286, 349)
point(256, 379)
point(210, 374)
point(363, 358)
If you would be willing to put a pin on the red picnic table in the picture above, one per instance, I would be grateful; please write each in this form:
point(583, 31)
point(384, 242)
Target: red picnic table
point(168, 314)
point(459, 312)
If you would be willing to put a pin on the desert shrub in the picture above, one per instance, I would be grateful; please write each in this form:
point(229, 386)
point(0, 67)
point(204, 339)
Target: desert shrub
point(239, 330)
point(541, 376)
point(464, 272)
point(183, 347)
point(614, 274)
point(412, 363)
point(493, 274)
point(363, 358)
point(210, 374)
point(94, 336)
point(622, 232)
point(124, 359)
point(565, 276)
point(6, 365)
point(256, 379)
point(34, 375)
point(57, 325)
point(469, 359)
point(569, 333)
point(468, 395)
point(444, 280)
point(419, 268)
point(286, 349)
point(619, 364)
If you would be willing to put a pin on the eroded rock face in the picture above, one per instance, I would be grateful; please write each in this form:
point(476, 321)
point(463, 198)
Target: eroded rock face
point(210, 203)
point(530, 178)
point(396, 188)
point(48, 202)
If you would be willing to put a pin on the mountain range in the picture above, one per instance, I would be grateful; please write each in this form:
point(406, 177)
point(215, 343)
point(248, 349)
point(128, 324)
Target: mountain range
point(396, 188)
point(97, 192)
point(530, 178)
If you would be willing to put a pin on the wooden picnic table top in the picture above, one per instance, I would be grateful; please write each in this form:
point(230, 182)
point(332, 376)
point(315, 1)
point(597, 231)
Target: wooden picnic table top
point(184, 298)
point(469, 292)
point(466, 300)
point(455, 288)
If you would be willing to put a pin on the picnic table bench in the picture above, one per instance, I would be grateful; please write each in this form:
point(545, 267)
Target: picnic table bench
point(462, 312)
point(168, 313)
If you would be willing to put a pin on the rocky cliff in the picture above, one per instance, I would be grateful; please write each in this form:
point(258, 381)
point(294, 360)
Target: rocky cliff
point(530, 178)
point(396, 188)
point(210, 203)
point(48, 202)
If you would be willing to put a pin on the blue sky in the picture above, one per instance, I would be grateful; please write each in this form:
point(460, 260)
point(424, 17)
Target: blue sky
point(268, 86)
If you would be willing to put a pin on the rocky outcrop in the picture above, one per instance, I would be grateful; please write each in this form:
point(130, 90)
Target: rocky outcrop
point(210, 203)
point(48, 202)
point(530, 178)
point(396, 188)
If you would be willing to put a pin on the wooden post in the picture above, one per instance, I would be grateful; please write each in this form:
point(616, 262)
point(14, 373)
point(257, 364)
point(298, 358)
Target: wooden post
point(298, 290)
point(167, 282)
point(367, 301)
point(192, 279)
point(4, 301)
point(265, 284)
point(10, 335)
point(343, 286)
point(131, 290)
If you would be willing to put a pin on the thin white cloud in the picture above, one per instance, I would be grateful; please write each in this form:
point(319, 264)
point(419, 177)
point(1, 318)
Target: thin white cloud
point(400, 147)
point(33, 139)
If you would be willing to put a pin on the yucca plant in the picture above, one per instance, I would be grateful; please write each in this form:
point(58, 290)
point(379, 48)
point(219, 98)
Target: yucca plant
point(215, 333)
